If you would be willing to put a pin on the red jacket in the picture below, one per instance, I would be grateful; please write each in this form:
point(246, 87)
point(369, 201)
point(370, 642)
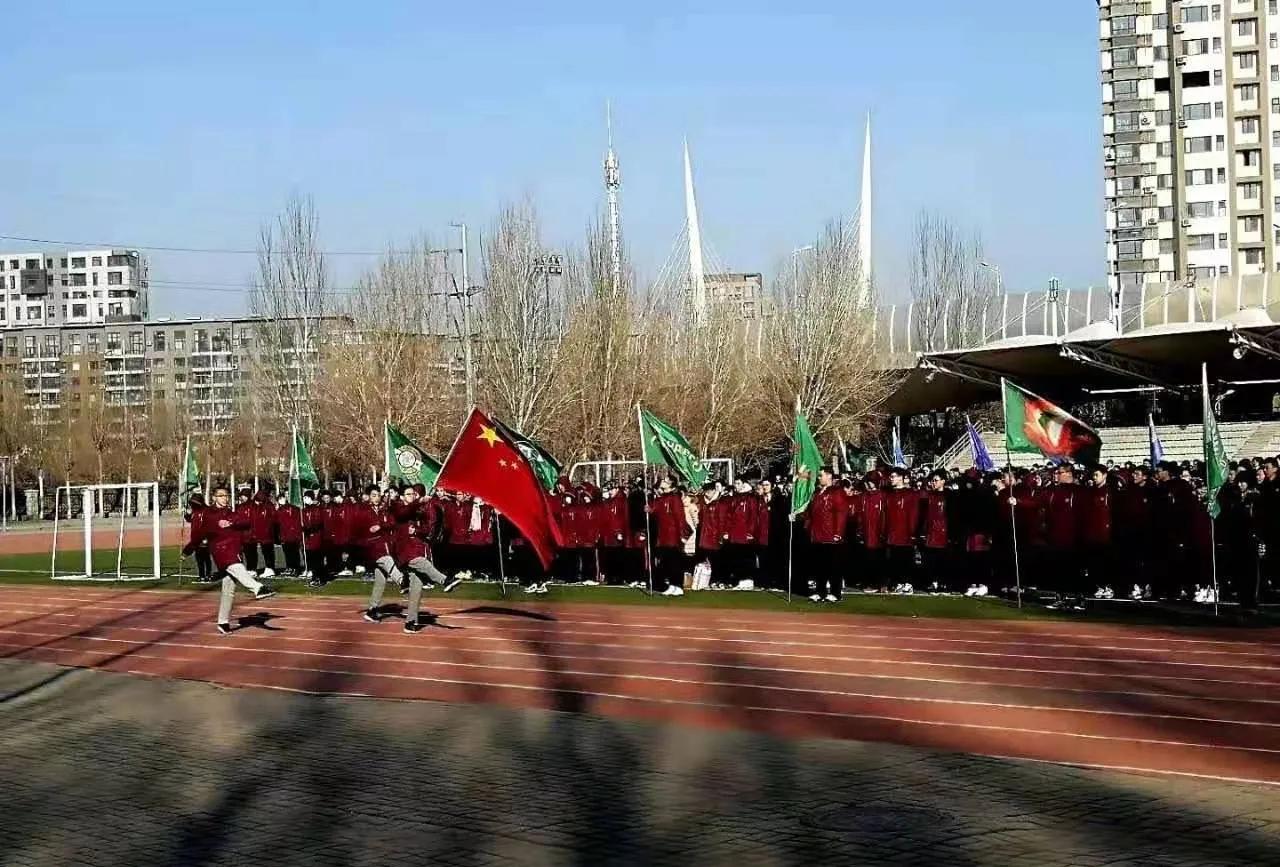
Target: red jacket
point(262, 520)
point(313, 524)
point(874, 519)
point(828, 516)
point(935, 519)
point(613, 521)
point(1063, 508)
point(666, 514)
point(371, 529)
point(584, 518)
point(337, 524)
point(1030, 514)
point(413, 528)
point(902, 511)
point(746, 513)
point(225, 542)
point(288, 520)
point(712, 523)
point(1096, 506)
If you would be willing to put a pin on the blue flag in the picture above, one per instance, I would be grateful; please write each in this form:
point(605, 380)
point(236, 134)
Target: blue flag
point(981, 457)
point(1157, 448)
point(899, 459)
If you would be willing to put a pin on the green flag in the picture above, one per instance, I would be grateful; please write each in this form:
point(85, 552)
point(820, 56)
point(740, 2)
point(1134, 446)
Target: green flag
point(545, 467)
point(301, 470)
point(405, 462)
point(805, 461)
point(664, 446)
point(189, 483)
point(1215, 455)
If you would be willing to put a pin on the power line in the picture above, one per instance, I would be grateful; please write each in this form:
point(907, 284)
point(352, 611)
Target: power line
point(227, 251)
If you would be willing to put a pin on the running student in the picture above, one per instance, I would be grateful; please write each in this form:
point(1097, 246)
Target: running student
point(223, 530)
point(417, 522)
point(407, 531)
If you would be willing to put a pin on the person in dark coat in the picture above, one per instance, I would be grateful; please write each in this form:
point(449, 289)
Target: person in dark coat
point(902, 526)
point(314, 513)
point(745, 513)
point(223, 531)
point(261, 536)
point(613, 517)
point(936, 506)
point(827, 519)
point(1063, 508)
point(1097, 503)
point(712, 530)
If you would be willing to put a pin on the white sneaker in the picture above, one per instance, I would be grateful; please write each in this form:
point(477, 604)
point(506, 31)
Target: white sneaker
point(815, 598)
point(1136, 593)
point(268, 572)
point(532, 588)
point(972, 591)
point(1100, 593)
point(982, 590)
point(542, 588)
point(359, 570)
point(1111, 593)
point(345, 573)
point(746, 584)
point(907, 589)
point(1209, 596)
point(590, 583)
point(306, 574)
point(676, 591)
point(830, 597)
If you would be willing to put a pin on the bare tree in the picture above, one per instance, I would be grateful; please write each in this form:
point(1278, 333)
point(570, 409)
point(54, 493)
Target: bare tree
point(290, 292)
point(396, 366)
point(821, 341)
point(522, 324)
point(948, 284)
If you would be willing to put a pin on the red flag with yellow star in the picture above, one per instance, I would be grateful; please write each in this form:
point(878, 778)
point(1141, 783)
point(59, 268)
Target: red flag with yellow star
point(487, 465)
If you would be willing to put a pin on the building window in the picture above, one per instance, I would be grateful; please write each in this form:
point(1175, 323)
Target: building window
point(1195, 111)
point(1222, 175)
point(1160, 52)
point(1217, 45)
point(1125, 25)
point(1163, 149)
point(115, 278)
point(1251, 190)
point(1189, 46)
point(1199, 209)
point(179, 341)
point(1247, 60)
point(77, 261)
point(1127, 120)
point(77, 280)
point(1126, 89)
point(1246, 28)
point(1122, 57)
point(1247, 92)
point(1217, 109)
point(1129, 249)
point(1164, 182)
point(1217, 77)
point(1251, 224)
point(97, 261)
point(95, 278)
point(1253, 256)
point(1248, 126)
point(1194, 14)
point(1166, 212)
point(1251, 159)
point(1160, 21)
point(157, 341)
point(1199, 144)
point(79, 311)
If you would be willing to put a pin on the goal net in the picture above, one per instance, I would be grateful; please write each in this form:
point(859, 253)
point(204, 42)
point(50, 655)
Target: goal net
point(108, 532)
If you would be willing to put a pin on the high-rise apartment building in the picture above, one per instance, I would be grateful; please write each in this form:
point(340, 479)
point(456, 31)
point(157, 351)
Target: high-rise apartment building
point(1191, 138)
point(73, 287)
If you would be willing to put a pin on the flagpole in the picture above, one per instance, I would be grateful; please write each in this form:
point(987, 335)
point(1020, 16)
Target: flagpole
point(301, 505)
point(1213, 553)
point(502, 566)
point(644, 486)
point(791, 537)
point(1013, 514)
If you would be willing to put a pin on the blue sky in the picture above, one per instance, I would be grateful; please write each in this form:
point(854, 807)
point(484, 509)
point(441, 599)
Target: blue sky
point(189, 124)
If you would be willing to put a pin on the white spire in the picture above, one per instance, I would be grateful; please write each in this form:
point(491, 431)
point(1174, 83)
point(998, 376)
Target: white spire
point(864, 218)
point(612, 183)
point(697, 275)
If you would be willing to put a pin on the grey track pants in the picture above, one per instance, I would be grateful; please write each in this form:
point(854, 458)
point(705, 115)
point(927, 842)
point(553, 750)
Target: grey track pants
point(236, 573)
point(419, 568)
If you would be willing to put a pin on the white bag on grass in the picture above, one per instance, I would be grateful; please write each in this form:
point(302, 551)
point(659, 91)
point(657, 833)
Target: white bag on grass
point(702, 576)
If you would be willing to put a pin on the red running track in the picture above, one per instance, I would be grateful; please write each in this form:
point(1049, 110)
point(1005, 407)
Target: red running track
point(1172, 701)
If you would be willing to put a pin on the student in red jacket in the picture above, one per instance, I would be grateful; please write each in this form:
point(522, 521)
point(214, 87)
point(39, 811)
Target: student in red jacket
point(902, 526)
point(711, 535)
point(670, 530)
point(372, 531)
point(614, 525)
point(314, 512)
point(414, 524)
point(827, 519)
point(223, 531)
point(1095, 527)
point(745, 513)
point(261, 536)
point(288, 532)
point(937, 531)
point(196, 509)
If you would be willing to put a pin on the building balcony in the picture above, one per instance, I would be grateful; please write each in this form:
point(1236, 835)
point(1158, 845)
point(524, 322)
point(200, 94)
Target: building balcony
point(1143, 136)
point(1126, 73)
point(1127, 40)
point(1129, 170)
point(1122, 10)
point(1132, 266)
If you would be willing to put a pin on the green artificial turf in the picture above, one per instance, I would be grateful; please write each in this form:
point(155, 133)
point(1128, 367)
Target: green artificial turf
point(33, 569)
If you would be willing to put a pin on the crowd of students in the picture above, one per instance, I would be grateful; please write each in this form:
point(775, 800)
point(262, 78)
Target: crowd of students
point(1102, 531)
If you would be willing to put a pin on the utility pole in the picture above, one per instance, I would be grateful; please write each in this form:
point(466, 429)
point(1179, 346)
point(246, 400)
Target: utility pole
point(465, 290)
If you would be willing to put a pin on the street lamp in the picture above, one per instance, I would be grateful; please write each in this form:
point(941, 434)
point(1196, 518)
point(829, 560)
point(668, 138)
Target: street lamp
point(996, 270)
point(466, 321)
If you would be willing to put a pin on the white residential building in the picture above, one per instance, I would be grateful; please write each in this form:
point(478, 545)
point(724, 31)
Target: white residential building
point(1191, 138)
point(73, 287)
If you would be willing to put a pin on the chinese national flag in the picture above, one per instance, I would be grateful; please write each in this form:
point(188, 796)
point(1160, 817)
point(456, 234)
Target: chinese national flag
point(486, 464)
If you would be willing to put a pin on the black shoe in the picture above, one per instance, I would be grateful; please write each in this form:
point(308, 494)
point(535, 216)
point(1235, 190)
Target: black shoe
point(224, 628)
point(372, 616)
point(412, 626)
point(264, 592)
point(450, 584)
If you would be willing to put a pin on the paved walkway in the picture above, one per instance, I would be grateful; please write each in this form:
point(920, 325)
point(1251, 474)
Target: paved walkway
point(110, 769)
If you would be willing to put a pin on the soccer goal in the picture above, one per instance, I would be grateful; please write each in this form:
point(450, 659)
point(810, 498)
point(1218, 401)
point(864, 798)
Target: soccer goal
point(119, 527)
